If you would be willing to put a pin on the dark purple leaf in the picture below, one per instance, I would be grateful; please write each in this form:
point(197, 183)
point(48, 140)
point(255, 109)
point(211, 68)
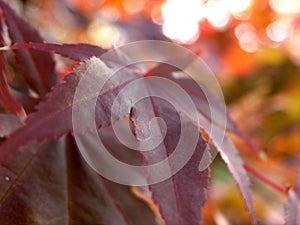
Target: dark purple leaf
point(181, 196)
point(204, 107)
point(6, 98)
point(78, 52)
point(28, 102)
point(120, 152)
point(205, 102)
point(54, 115)
point(37, 68)
point(234, 163)
point(198, 96)
point(66, 191)
point(142, 116)
point(8, 124)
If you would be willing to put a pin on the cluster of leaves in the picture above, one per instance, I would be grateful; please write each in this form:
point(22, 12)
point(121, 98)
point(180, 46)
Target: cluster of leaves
point(44, 179)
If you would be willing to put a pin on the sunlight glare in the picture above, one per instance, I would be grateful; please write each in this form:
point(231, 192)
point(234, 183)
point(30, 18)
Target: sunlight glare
point(181, 19)
point(236, 7)
point(217, 14)
point(285, 6)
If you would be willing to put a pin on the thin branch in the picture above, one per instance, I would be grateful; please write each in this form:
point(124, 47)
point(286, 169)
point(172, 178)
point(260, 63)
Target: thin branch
point(263, 178)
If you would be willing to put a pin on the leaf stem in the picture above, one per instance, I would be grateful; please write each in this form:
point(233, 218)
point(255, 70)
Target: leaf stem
point(263, 178)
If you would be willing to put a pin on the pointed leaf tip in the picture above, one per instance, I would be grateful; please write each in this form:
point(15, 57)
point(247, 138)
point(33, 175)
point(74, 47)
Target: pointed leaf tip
point(6, 97)
point(292, 207)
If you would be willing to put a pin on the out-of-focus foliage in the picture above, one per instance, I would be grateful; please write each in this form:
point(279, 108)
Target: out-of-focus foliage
point(254, 48)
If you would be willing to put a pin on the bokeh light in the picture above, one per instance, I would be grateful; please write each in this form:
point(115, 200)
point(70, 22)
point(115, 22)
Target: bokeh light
point(247, 37)
point(294, 46)
point(285, 6)
point(217, 13)
point(236, 7)
point(103, 34)
point(279, 31)
point(245, 32)
point(181, 19)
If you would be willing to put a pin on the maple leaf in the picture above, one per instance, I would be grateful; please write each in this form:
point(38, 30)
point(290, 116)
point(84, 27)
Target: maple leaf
point(181, 196)
point(78, 194)
point(57, 109)
point(37, 68)
point(66, 190)
point(54, 115)
point(78, 52)
point(143, 115)
point(199, 97)
point(60, 102)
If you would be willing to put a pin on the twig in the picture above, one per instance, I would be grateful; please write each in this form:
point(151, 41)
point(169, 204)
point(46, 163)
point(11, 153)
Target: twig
point(250, 169)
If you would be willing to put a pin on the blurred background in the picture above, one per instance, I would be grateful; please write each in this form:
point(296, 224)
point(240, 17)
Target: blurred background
point(253, 46)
